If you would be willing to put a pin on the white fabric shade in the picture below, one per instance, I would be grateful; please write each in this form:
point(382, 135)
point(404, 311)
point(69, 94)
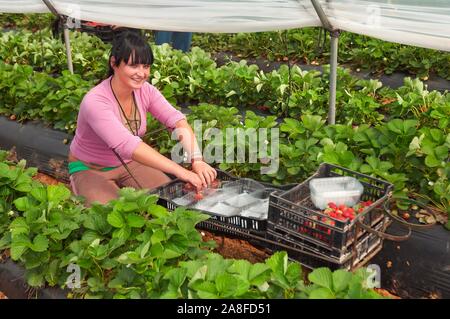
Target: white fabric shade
point(424, 23)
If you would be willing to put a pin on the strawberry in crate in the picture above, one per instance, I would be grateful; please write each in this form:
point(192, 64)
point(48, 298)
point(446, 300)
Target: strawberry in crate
point(344, 212)
point(336, 212)
point(200, 195)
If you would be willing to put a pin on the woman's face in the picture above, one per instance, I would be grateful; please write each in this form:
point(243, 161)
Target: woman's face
point(131, 75)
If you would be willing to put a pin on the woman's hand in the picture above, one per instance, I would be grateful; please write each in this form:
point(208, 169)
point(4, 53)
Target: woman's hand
point(206, 173)
point(192, 178)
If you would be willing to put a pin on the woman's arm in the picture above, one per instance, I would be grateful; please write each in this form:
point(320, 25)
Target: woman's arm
point(188, 140)
point(146, 155)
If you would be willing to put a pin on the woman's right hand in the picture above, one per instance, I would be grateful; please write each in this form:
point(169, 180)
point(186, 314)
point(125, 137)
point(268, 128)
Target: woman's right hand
point(192, 178)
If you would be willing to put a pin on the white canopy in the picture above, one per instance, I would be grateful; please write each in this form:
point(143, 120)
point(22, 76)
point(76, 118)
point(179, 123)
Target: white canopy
point(424, 23)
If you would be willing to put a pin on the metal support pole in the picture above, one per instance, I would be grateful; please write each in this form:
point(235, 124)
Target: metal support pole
point(68, 50)
point(333, 77)
point(322, 16)
point(66, 34)
point(333, 59)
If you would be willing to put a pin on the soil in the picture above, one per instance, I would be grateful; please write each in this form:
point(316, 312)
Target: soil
point(45, 179)
point(386, 293)
point(235, 248)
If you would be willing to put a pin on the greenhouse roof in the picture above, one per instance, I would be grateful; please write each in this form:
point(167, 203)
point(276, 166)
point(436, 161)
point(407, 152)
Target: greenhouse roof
point(424, 23)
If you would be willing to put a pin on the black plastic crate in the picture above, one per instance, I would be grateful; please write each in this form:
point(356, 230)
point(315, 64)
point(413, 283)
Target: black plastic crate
point(225, 229)
point(293, 213)
point(175, 189)
point(366, 248)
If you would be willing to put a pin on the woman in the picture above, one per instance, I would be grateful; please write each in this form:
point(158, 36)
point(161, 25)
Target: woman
point(107, 152)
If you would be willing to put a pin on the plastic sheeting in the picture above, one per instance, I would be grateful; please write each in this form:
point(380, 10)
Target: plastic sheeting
point(423, 23)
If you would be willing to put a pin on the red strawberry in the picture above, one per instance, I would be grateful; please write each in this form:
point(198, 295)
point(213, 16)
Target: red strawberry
point(215, 184)
point(198, 196)
point(350, 210)
point(342, 207)
point(332, 205)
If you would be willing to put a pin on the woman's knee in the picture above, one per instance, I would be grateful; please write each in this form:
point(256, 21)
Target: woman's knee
point(93, 187)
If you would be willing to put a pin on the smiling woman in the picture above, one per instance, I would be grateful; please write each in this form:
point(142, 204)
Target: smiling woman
point(107, 152)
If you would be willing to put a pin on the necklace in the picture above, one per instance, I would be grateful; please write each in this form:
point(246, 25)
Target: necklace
point(135, 120)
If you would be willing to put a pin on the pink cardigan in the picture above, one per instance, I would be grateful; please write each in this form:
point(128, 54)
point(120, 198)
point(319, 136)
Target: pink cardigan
point(100, 128)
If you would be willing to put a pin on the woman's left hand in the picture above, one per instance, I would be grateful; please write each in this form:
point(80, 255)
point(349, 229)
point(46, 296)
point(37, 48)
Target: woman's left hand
point(206, 173)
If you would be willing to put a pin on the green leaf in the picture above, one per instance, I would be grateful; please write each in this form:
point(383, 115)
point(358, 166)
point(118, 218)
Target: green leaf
point(116, 219)
point(23, 204)
point(441, 152)
point(23, 187)
point(206, 290)
point(293, 273)
point(19, 226)
point(191, 267)
point(35, 279)
point(122, 233)
point(278, 262)
point(19, 246)
point(258, 274)
point(57, 193)
point(322, 277)
point(5, 241)
point(200, 274)
point(39, 193)
point(157, 250)
point(157, 211)
point(437, 135)
point(432, 161)
point(176, 276)
point(135, 221)
point(40, 243)
point(158, 236)
point(241, 268)
point(341, 280)
point(185, 225)
point(145, 249)
point(216, 265)
point(171, 253)
point(321, 293)
point(226, 285)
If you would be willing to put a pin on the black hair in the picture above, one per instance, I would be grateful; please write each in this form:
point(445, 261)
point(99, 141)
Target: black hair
point(128, 45)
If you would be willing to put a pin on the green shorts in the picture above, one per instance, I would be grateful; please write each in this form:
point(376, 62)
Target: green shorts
point(79, 166)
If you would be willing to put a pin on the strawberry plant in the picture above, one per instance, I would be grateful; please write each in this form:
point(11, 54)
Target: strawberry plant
point(325, 284)
point(307, 46)
point(133, 248)
point(15, 181)
point(46, 220)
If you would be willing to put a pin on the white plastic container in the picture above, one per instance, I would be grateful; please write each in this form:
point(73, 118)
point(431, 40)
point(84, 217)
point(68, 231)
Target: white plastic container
point(344, 190)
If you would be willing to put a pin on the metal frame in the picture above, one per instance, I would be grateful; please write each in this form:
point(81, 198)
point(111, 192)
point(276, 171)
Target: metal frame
point(333, 59)
point(66, 34)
